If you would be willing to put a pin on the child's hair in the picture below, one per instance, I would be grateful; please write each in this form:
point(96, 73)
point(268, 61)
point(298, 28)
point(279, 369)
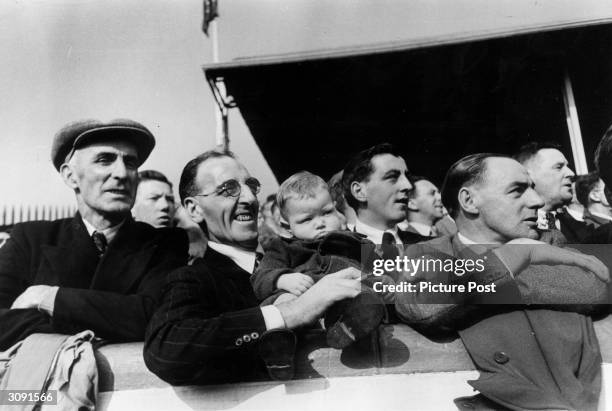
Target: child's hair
point(300, 185)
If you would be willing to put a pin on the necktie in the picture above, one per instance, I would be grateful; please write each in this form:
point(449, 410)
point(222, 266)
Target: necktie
point(550, 219)
point(100, 241)
point(389, 246)
point(258, 257)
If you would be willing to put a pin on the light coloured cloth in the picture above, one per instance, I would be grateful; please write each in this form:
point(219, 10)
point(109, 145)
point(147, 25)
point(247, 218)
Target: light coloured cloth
point(44, 362)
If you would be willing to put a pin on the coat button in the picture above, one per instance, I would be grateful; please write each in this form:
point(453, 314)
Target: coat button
point(246, 338)
point(238, 342)
point(501, 357)
point(254, 336)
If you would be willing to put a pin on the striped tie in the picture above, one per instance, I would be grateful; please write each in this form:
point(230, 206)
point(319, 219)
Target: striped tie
point(100, 241)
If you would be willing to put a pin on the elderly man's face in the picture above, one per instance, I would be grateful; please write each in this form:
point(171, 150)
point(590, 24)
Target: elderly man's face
point(230, 220)
point(387, 189)
point(426, 200)
point(507, 202)
point(552, 176)
point(104, 176)
point(154, 203)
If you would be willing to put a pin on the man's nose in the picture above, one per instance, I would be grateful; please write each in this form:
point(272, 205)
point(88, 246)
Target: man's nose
point(534, 200)
point(569, 172)
point(120, 170)
point(165, 204)
point(404, 183)
point(247, 196)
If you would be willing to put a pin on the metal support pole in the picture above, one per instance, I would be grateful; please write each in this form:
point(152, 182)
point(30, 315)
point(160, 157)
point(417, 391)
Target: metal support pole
point(573, 126)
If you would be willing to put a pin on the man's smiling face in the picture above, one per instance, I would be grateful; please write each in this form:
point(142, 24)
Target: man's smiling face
point(230, 220)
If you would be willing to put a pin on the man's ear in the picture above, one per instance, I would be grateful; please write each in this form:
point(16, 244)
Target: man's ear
point(359, 191)
point(595, 196)
point(193, 209)
point(467, 201)
point(412, 206)
point(68, 175)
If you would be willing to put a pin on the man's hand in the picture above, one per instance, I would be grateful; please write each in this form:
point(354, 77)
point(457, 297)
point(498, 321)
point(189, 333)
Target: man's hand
point(295, 283)
point(520, 253)
point(312, 304)
point(40, 297)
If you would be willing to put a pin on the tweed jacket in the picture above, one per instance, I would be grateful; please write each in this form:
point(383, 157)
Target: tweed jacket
point(530, 356)
point(207, 326)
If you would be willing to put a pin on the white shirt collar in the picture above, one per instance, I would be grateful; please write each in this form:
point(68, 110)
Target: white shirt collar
point(423, 229)
point(374, 234)
point(600, 215)
point(243, 259)
point(543, 221)
point(109, 233)
point(465, 240)
point(575, 214)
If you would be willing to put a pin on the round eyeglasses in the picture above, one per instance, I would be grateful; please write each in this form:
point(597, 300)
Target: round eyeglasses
point(233, 188)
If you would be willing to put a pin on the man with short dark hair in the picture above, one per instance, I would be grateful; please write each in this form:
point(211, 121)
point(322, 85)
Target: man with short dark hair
point(529, 358)
point(425, 209)
point(154, 202)
point(99, 270)
point(209, 327)
point(376, 185)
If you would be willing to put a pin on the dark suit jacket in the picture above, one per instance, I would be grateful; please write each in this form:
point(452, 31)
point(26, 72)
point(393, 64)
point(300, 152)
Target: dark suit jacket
point(532, 358)
point(207, 326)
point(574, 231)
point(113, 296)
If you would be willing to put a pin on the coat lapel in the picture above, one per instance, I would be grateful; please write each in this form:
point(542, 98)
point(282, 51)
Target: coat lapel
point(72, 260)
point(125, 260)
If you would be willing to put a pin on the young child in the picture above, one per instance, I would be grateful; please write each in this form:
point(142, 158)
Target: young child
point(319, 246)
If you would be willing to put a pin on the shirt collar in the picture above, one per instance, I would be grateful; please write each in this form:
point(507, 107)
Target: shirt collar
point(243, 259)
point(543, 220)
point(423, 229)
point(109, 232)
point(600, 215)
point(575, 214)
point(465, 240)
point(374, 234)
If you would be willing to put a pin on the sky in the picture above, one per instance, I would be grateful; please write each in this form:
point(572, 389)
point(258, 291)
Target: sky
point(68, 60)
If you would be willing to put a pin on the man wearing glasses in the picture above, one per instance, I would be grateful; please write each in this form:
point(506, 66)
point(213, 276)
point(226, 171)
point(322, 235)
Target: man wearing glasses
point(209, 327)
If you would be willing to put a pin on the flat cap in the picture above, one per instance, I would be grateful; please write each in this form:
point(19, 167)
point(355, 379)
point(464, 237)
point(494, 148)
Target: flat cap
point(83, 132)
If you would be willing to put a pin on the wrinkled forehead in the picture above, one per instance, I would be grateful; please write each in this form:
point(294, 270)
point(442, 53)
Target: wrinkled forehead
point(215, 171)
point(383, 163)
point(423, 186)
point(153, 187)
point(501, 173)
point(549, 156)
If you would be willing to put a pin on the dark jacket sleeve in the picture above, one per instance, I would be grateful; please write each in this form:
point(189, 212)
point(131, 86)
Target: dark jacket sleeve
point(14, 279)
point(191, 340)
point(275, 262)
point(116, 316)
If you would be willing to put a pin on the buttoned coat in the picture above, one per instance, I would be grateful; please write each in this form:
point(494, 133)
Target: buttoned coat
point(207, 326)
point(113, 295)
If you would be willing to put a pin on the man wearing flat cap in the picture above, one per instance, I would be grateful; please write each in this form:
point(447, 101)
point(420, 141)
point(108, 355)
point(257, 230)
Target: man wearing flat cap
point(99, 270)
